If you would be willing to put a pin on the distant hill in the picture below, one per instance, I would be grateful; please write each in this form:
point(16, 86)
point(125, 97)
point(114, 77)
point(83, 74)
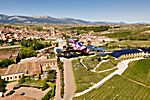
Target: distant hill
point(47, 19)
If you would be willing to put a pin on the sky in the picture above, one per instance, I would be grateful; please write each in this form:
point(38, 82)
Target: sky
point(91, 10)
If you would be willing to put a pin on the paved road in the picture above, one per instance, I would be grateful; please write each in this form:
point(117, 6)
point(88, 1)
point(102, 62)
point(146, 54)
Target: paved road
point(122, 66)
point(68, 80)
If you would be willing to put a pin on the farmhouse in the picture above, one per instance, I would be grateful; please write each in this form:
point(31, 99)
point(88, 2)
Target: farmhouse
point(48, 64)
point(28, 67)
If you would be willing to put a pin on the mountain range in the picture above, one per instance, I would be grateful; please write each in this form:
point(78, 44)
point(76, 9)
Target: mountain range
point(47, 19)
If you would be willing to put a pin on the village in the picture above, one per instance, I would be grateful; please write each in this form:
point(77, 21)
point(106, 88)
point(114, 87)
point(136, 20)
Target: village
point(40, 60)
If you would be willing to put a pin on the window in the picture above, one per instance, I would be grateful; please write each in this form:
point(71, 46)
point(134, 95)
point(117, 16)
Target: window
point(19, 76)
point(7, 78)
point(27, 72)
point(10, 77)
point(15, 76)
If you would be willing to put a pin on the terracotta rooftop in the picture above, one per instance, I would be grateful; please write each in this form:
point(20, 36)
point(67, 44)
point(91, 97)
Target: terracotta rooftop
point(2, 71)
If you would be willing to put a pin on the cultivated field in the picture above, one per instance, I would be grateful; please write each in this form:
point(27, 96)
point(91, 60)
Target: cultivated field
point(139, 71)
point(118, 88)
point(129, 43)
point(7, 53)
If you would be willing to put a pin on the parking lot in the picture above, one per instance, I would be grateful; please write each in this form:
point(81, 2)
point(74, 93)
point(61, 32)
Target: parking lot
point(32, 92)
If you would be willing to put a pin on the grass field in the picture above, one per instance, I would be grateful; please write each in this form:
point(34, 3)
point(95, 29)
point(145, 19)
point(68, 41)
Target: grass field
point(107, 65)
point(90, 62)
point(84, 78)
point(139, 71)
point(117, 88)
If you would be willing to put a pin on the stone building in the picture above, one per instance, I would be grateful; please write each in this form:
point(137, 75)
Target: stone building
point(28, 67)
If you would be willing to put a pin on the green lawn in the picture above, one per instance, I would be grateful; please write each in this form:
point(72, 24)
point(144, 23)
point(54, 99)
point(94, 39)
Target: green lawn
point(90, 62)
point(139, 71)
point(118, 88)
point(85, 78)
point(107, 65)
point(32, 82)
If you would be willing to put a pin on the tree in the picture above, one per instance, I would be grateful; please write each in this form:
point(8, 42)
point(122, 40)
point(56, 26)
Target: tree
point(2, 85)
point(6, 62)
point(37, 45)
point(26, 43)
point(22, 80)
point(26, 53)
point(51, 77)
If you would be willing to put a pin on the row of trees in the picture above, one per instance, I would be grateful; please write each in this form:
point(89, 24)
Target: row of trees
point(61, 69)
point(29, 46)
point(26, 53)
point(92, 28)
point(34, 44)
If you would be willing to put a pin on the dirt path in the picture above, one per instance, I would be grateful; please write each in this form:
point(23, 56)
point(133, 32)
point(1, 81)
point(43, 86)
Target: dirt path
point(122, 66)
point(68, 80)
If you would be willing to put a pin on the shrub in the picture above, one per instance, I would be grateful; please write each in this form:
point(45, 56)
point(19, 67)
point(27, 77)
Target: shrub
point(22, 80)
point(6, 62)
point(45, 86)
point(47, 96)
point(2, 85)
point(51, 77)
point(50, 94)
point(26, 53)
point(10, 93)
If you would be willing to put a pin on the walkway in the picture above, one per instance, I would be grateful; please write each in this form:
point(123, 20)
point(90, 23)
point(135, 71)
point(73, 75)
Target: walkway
point(68, 80)
point(81, 61)
point(122, 66)
point(105, 70)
